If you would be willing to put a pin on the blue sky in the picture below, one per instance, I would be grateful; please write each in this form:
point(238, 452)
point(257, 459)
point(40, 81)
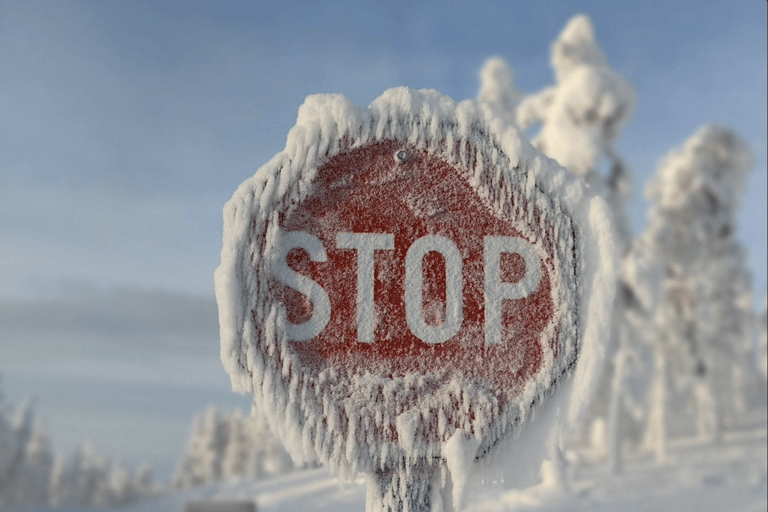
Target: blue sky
point(126, 126)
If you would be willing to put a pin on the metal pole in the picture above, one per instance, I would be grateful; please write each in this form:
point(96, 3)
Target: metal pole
point(400, 490)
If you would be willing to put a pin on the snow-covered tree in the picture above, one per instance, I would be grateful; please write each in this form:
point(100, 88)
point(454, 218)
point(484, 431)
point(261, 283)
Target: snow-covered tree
point(198, 464)
point(683, 292)
point(33, 475)
point(270, 457)
point(89, 472)
point(122, 487)
point(762, 340)
point(84, 480)
point(701, 324)
point(228, 446)
point(582, 114)
point(8, 453)
point(624, 383)
point(238, 457)
point(25, 458)
point(62, 482)
point(30, 476)
point(497, 88)
point(580, 117)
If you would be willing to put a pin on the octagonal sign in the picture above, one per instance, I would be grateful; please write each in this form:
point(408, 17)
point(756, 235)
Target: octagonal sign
point(398, 276)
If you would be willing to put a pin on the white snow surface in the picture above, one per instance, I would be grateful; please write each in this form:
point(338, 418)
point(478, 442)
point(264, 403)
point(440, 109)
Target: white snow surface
point(299, 410)
point(699, 477)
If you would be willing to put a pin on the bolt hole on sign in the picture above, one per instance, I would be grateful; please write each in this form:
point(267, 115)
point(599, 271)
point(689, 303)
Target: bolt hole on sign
point(405, 279)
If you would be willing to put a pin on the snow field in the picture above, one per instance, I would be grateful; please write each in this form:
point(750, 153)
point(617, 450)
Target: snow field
point(698, 477)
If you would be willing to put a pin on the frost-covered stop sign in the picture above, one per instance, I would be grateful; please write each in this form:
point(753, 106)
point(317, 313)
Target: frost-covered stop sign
point(402, 280)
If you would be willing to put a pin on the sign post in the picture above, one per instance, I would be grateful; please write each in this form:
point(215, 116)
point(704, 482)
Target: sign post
point(402, 280)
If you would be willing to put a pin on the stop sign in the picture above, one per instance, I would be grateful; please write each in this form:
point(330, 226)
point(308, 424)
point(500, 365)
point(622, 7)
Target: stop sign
point(399, 275)
point(415, 274)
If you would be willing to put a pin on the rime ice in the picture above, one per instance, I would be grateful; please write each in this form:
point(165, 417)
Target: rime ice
point(480, 223)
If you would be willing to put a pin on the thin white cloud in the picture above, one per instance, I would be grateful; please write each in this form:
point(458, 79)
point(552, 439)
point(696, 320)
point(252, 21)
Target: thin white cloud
point(146, 318)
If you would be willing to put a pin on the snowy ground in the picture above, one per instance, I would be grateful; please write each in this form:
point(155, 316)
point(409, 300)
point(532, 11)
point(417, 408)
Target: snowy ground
point(698, 477)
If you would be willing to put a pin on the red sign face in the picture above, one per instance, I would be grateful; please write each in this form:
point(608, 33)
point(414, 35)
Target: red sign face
point(398, 276)
point(394, 265)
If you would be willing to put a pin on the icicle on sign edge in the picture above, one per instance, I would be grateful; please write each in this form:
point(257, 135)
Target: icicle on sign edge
point(315, 415)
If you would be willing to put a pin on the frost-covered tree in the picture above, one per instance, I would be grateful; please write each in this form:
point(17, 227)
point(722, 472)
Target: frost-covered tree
point(11, 455)
point(579, 119)
point(62, 488)
point(621, 404)
point(202, 462)
point(25, 458)
point(189, 472)
point(497, 88)
point(89, 472)
point(33, 475)
point(8, 452)
point(701, 324)
point(228, 446)
point(238, 457)
point(86, 481)
point(756, 390)
point(270, 457)
point(762, 340)
point(122, 488)
point(582, 114)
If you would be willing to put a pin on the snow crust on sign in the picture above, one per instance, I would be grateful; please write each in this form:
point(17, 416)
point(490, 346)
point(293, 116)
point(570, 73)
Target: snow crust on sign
point(340, 420)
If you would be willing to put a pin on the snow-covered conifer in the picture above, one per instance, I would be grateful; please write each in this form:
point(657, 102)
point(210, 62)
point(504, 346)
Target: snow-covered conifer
point(216, 437)
point(144, 480)
point(123, 487)
point(583, 114)
point(272, 457)
point(85, 481)
point(580, 117)
point(497, 88)
point(88, 474)
point(8, 455)
point(16, 482)
point(23, 423)
point(701, 324)
point(62, 487)
point(33, 476)
point(189, 469)
point(229, 446)
point(205, 454)
point(237, 459)
point(762, 329)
